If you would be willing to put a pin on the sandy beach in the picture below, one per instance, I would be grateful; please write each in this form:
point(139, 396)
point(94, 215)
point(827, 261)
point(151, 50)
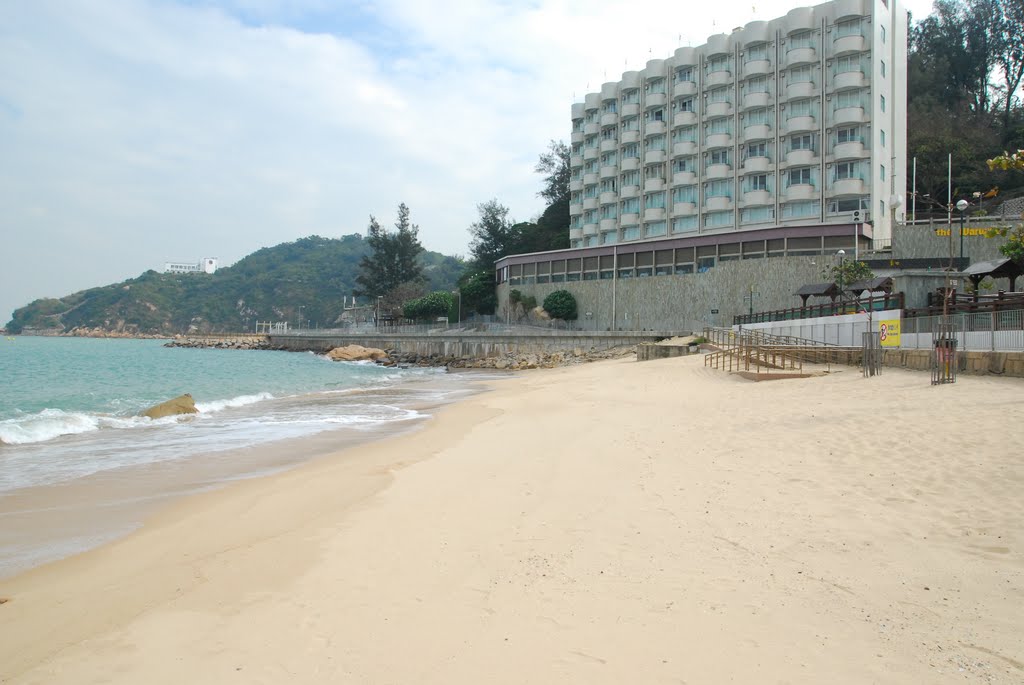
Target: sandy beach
point(615, 522)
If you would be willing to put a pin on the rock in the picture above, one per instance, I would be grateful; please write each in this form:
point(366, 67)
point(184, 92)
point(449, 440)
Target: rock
point(354, 353)
point(179, 405)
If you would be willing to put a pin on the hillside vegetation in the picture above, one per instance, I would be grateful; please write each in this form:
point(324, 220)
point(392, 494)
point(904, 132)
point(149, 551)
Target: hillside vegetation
point(301, 281)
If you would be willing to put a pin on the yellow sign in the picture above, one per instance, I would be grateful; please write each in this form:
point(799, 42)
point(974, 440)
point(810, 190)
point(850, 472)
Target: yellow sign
point(982, 232)
point(889, 332)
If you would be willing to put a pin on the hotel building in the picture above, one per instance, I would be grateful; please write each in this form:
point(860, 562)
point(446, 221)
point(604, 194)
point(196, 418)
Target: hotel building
point(795, 122)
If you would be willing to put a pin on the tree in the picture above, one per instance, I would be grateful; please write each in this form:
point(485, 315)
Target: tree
point(478, 294)
point(561, 305)
point(393, 258)
point(849, 271)
point(494, 236)
point(428, 307)
point(1006, 161)
point(1014, 246)
point(554, 164)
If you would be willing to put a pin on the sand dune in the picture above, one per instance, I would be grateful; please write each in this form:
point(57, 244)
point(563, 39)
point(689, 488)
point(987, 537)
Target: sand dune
point(609, 523)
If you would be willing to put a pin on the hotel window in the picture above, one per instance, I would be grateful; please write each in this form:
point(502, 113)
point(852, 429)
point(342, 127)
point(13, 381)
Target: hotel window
point(712, 219)
point(758, 117)
point(882, 62)
point(848, 63)
point(609, 211)
point(758, 149)
point(654, 143)
point(654, 201)
point(687, 134)
point(591, 116)
point(654, 171)
point(608, 185)
point(577, 149)
point(881, 207)
point(881, 172)
point(655, 86)
point(608, 133)
point(848, 98)
point(718, 63)
point(576, 197)
point(631, 233)
point(722, 156)
point(718, 95)
point(683, 224)
point(802, 142)
point(797, 210)
point(609, 107)
point(847, 170)
point(577, 125)
point(684, 74)
point(755, 182)
point(800, 75)
point(799, 108)
point(590, 167)
point(590, 142)
point(882, 137)
point(883, 34)
point(655, 114)
point(682, 165)
point(631, 124)
point(803, 39)
point(590, 191)
point(609, 159)
point(653, 229)
point(850, 134)
point(757, 214)
point(682, 105)
point(631, 206)
point(608, 238)
point(756, 53)
point(883, 102)
point(757, 85)
point(848, 204)
point(721, 188)
point(799, 177)
point(850, 27)
point(631, 97)
point(631, 150)
point(631, 178)
point(684, 194)
point(720, 125)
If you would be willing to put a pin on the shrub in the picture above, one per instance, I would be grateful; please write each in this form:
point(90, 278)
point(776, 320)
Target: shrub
point(561, 305)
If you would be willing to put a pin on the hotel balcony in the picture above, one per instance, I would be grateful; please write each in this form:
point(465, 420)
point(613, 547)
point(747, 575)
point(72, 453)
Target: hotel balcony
point(609, 171)
point(591, 128)
point(630, 164)
point(684, 148)
point(757, 165)
point(589, 203)
point(684, 178)
point(589, 153)
point(626, 192)
point(848, 115)
point(757, 198)
point(576, 137)
point(652, 185)
point(608, 197)
point(575, 160)
point(609, 145)
point(654, 156)
point(654, 128)
point(718, 204)
point(684, 209)
point(802, 191)
point(802, 89)
point(757, 132)
point(801, 56)
point(751, 100)
point(609, 225)
point(575, 233)
point(852, 150)
point(654, 214)
point(609, 119)
point(849, 186)
point(684, 88)
point(798, 124)
point(758, 67)
point(684, 119)
point(719, 140)
point(717, 78)
point(629, 137)
point(847, 44)
point(576, 184)
point(716, 171)
point(629, 219)
point(576, 209)
point(849, 79)
point(590, 179)
point(800, 158)
point(718, 109)
point(631, 109)
point(655, 100)
point(589, 229)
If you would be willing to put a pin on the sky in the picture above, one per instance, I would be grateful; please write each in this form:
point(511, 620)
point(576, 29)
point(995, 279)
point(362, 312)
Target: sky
point(135, 132)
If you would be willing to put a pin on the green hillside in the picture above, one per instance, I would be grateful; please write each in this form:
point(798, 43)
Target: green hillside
point(297, 282)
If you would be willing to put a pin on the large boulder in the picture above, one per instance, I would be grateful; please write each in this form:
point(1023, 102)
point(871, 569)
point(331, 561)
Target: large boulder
point(179, 405)
point(356, 353)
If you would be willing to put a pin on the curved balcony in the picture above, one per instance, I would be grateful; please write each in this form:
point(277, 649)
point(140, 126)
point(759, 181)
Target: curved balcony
point(609, 197)
point(684, 148)
point(755, 32)
point(589, 153)
point(757, 132)
point(578, 110)
point(589, 203)
point(800, 18)
point(575, 210)
point(629, 137)
point(589, 179)
point(848, 115)
point(756, 164)
point(718, 109)
point(630, 79)
point(609, 145)
point(654, 214)
point(654, 128)
point(653, 69)
point(757, 198)
point(686, 57)
point(684, 119)
point(608, 225)
point(803, 89)
point(630, 164)
point(626, 192)
point(575, 233)
point(796, 193)
point(631, 109)
point(716, 171)
point(717, 78)
point(609, 119)
point(849, 79)
point(684, 178)
point(798, 124)
point(752, 100)
point(589, 229)
point(851, 8)
point(847, 44)
point(801, 56)
point(684, 88)
point(758, 67)
point(575, 185)
point(610, 90)
point(800, 157)
point(592, 100)
point(653, 185)
point(576, 137)
point(684, 209)
point(717, 44)
point(852, 150)
point(718, 204)
point(719, 140)
point(609, 171)
point(575, 160)
point(850, 186)
point(591, 129)
point(655, 100)
point(629, 219)
point(655, 156)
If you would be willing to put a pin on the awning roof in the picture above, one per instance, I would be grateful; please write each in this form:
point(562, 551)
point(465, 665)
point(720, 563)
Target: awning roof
point(819, 289)
point(883, 283)
point(1003, 267)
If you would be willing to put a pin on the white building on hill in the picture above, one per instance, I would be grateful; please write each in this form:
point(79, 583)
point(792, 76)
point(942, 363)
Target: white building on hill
point(206, 265)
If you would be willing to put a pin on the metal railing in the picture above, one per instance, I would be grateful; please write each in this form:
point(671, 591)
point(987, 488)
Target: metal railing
point(878, 304)
point(994, 331)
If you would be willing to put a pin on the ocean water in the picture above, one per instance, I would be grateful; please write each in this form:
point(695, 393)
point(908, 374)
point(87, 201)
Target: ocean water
point(70, 430)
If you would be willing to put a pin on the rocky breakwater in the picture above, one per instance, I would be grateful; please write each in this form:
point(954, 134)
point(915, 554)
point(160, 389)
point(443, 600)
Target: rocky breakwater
point(515, 361)
point(86, 332)
point(235, 342)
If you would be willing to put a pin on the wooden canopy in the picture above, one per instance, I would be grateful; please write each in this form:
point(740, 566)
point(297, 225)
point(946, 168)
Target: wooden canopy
point(828, 290)
point(996, 268)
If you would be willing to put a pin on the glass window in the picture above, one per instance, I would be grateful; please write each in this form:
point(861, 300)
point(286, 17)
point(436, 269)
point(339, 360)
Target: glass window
point(718, 63)
point(799, 108)
point(883, 34)
point(757, 85)
point(608, 133)
point(608, 185)
point(720, 188)
point(654, 171)
point(848, 98)
point(631, 124)
point(850, 134)
point(881, 172)
point(630, 150)
point(756, 53)
point(631, 206)
point(758, 149)
point(757, 214)
point(881, 207)
point(883, 102)
point(609, 159)
point(630, 178)
point(755, 182)
point(609, 211)
point(849, 27)
point(882, 63)
point(717, 219)
point(683, 194)
point(848, 204)
point(801, 39)
point(721, 156)
point(756, 117)
point(795, 210)
point(686, 134)
point(845, 170)
point(800, 74)
point(882, 137)
point(653, 229)
point(848, 63)
point(799, 176)
point(682, 105)
point(655, 86)
point(684, 74)
point(657, 114)
point(720, 125)
point(654, 201)
point(631, 97)
point(682, 224)
point(802, 142)
point(683, 164)
point(654, 143)
point(718, 95)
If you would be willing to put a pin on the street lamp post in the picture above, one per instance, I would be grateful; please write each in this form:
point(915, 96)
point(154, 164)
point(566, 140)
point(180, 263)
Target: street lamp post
point(458, 318)
point(842, 258)
point(961, 206)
